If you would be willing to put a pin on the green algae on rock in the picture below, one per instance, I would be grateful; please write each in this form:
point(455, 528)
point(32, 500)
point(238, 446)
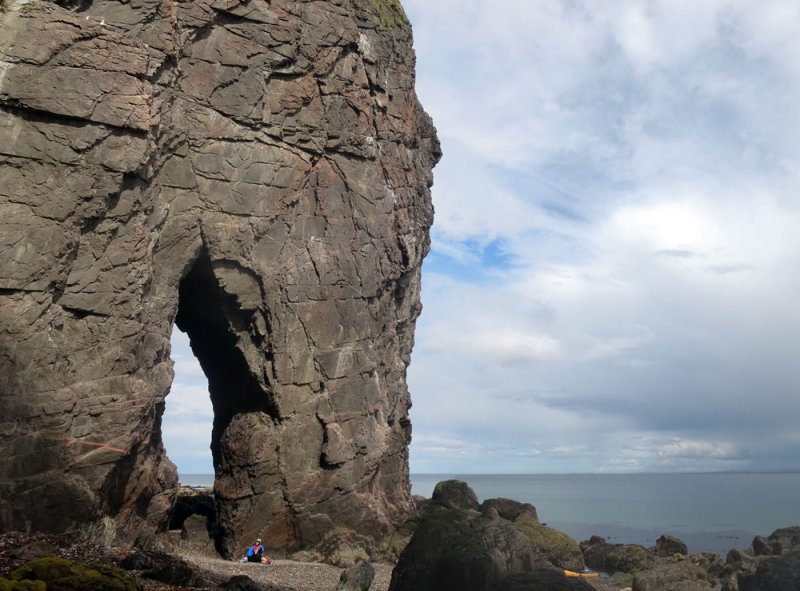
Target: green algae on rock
point(59, 573)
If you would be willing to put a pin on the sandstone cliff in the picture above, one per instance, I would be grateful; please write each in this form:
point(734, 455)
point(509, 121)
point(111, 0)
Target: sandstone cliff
point(256, 172)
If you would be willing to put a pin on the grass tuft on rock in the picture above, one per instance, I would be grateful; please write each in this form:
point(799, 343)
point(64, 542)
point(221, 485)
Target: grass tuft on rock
point(391, 13)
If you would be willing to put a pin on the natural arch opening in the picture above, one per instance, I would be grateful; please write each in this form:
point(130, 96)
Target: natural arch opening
point(188, 416)
point(218, 311)
point(215, 322)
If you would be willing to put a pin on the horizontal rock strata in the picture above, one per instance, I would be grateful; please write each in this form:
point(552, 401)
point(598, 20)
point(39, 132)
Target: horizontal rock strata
point(256, 172)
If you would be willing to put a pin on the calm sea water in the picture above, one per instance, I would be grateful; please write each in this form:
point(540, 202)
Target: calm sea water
point(711, 512)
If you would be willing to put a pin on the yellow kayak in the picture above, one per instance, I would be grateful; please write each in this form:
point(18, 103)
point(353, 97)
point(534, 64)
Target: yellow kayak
point(573, 574)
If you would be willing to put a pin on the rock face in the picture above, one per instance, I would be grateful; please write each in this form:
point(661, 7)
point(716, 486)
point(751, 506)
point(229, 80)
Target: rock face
point(460, 545)
point(255, 172)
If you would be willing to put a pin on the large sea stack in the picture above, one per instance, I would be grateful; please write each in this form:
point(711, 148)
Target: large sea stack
point(255, 172)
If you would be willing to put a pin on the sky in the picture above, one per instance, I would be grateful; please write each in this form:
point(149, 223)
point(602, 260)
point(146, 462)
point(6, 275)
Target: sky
point(614, 278)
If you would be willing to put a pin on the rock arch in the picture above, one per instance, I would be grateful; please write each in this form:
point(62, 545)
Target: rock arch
point(258, 173)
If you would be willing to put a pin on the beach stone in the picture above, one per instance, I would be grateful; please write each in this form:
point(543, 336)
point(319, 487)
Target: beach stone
point(356, 578)
point(343, 547)
point(762, 546)
point(601, 556)
point(255, 173)
point(778, 542)
point(544, 580)
point(245, 583)
point(772, 573)
point(509, 509)
point(165, 568)
point(737, 556)
point(35, 549)
point(683, 575)
point(455, 494)
point(711, 562)
point(668, 545)
point(773, 562)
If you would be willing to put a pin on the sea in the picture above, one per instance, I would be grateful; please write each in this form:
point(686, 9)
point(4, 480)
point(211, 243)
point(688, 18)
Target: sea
point(710, 512)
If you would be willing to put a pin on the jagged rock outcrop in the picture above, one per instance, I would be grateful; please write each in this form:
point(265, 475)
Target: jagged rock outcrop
point(256, 172)
point(461, 545)
point(771, 562)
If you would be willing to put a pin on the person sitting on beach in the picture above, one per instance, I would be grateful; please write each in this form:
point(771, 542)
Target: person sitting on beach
point(255, 552)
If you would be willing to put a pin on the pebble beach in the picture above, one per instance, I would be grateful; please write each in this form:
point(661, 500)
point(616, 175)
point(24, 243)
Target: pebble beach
point(301, 576)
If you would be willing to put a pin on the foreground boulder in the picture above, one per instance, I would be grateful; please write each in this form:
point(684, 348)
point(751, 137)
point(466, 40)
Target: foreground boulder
point(456, 548)
point(611, 558)
point(668, 545)
point(779, 542)
point(166, 568)
point(771, 562)
point(771, 573)
point(356, 578)
point(256, 174)
point(460, 545)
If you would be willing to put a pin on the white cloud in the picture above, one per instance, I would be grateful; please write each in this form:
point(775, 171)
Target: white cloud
point(188, 412)
point(637, 162)
point(504, 345)
point(191, 400)
point(612, 347)
point(187, 445)
point(681, 448)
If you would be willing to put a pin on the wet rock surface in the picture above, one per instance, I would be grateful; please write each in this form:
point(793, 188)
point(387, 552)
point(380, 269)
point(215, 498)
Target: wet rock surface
point(256, 173)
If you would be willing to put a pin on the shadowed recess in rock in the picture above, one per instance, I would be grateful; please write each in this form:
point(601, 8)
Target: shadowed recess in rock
point(214, 320)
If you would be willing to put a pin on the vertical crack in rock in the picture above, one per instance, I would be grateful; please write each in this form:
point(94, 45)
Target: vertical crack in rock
point(257, 173)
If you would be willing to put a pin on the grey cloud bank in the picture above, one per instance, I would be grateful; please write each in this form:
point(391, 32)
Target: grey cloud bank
point(636, 164)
